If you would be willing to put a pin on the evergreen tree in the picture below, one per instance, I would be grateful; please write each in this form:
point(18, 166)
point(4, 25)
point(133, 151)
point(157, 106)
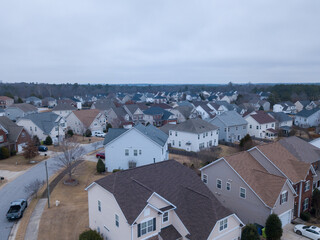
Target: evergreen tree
point(48, 141)
point(273, 227)
point(100, 166)
point(250, 232)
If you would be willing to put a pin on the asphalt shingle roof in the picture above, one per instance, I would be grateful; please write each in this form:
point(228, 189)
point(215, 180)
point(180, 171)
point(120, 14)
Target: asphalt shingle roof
point(45, 121)
point(230, 118)
point(13, 129)
point(280, 116)
point(197, 207)
point(307, 113)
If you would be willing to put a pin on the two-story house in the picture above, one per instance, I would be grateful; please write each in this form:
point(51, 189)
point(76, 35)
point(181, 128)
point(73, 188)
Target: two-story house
point(232, 127)
point(19, 110)
point(137, 146)
point(165, 200)
point(135, 111)
point(269, 165)
point(307, 118)
point(283, 121)
point(63, 109)
point(261, 125)
point(158, 116)
point(34, 101)
point(192, 135)
point(5, 101)
point(43, 125)
point(90, 119)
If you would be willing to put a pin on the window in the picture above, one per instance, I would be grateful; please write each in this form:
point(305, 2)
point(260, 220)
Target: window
point(117, 220)
point(140, 151)
point(223, 224)
point(146, 227)
point(206, 134)
point(30, 128)
point(170, 133)
point(198, 136)
point(219, 183)
point(211, 133)
point(267, 126)
point(35, 128)
point(179, 143)
point(242, 192)
point(228, 186)
point(236, 128)
point(244, 127)
point(307, 186)
point(135, 152)
point(210, 143)
point(57, 128)
point(99, 205)
point(165, 217)
point(1, 138)
point(257, 127)
point(284, 197)
point(250, 126)
point(305, 204)
point(126, 152)
point(272, 124)
point(173, 142)
point(225, 129)
point(176, 134)
point(205, 178)
point(201, 145)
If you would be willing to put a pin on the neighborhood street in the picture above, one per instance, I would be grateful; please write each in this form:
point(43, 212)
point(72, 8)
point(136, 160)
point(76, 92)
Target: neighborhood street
point(15, 189)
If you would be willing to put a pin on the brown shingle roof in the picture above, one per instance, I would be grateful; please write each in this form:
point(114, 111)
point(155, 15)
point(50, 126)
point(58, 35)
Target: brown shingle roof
point(170, 233)
point(266, 185)
point(262, 117)
point(197, 207)
point(294, 169)
point(86, 116)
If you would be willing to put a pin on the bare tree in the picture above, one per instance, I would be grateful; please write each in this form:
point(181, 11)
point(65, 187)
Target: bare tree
point(30, 150)
point(72, 153)
point(33, 187)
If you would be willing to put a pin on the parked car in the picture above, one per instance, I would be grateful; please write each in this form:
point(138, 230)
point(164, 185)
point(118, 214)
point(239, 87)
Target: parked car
point(100, 155)
point(99, 134)
point(42, 148)
point(16, 209)
point(311, 232)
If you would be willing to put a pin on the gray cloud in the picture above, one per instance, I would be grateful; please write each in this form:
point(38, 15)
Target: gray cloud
point(140, 41)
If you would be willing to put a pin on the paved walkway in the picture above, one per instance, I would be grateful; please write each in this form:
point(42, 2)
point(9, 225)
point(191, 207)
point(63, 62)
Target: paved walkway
point(33, 225)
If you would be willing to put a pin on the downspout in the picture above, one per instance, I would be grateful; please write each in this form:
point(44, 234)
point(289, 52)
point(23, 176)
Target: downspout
point(300, 192)
point(131, 232)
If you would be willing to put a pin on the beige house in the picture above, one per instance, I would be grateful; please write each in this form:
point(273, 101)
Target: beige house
point(165, 200)
point(81, 120)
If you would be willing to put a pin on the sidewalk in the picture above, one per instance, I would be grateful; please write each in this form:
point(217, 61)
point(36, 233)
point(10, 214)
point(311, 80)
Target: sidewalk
point(33, 225)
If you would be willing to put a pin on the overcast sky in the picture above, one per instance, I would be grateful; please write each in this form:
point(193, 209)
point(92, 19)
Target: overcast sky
point(174, 41)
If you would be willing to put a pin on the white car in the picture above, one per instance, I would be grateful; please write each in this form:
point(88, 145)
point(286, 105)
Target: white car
point(311, 232)
point(99, 134)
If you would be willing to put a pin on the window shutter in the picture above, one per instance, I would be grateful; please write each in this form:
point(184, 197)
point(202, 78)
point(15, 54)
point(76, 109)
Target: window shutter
point(154, 224)
point(280, 199)
point(287, 196)
point(139, 232)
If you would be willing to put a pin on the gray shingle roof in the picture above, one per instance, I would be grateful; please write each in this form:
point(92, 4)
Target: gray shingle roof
point(280, 116)
point(64, 107)
point(45, 121)
point(25, 107)
point(230, 118)
point(197, 207)
point(195, 125)
point(149, 131)
point(307, 113)
point(13, 129)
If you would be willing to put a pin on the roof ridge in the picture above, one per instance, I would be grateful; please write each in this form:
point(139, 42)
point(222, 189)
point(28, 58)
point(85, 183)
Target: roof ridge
point(196, 192)
point(267, 173)
point(141, 184)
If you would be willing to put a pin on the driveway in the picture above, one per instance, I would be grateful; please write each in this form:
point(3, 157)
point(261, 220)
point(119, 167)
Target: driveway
point(289, 234)
point(15, 189)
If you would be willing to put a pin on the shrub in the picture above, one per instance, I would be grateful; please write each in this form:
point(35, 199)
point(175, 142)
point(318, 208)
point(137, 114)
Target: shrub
point(48, 141)
point(36, 140)
point(250, 232)
point(88, 133)
point(108, 126)
point(13, 152)
point(273, 227)
point(305, 216)
point(70, 132)
point(246, 142)
point(116, 170)
point(4, 153)
point(90, 235)
point(100, 166)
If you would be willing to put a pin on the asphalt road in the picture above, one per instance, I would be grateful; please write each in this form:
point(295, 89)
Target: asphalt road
point(15, 189)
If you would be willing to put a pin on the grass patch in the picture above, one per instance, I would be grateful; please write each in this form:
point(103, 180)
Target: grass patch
point(19, 163)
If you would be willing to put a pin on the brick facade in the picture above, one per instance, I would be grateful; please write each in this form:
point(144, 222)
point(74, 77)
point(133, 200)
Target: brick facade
point(24, 137)
point(3, 137)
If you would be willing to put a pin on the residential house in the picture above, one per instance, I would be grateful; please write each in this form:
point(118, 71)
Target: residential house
point(165, 200)
point(103, 105)
point(305, 152)
point(135, 112)
point(19, 110)
point(308, 118)
point(118, 117)
point(267, 177)
point(43, 125)
point(149, 97)
point(138, 98)
point(81, 120)
point(192, 135)
point(283, 121)
point(34, 101)
point(79, 102)
point(64, 109)
point(204, 111)
point(158, 116)
point(232, 127)
point(123, 98)
point(49, 102)
point(160, 99)
point(137, 146)
point(286, 107)
point(5, 101)
point(15, 137)
point(300, 104)
point(183, 113)
point(312, 105)
point(261, 125)
point(249, 190)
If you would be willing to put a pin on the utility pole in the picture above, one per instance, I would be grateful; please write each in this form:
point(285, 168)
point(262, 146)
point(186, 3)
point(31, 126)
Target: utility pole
point(48, 190)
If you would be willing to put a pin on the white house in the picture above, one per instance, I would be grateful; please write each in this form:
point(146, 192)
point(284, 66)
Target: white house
point(192, 135)
point(261, 125)
point(63, 109)
point(137, 146)
point(308, 118)
point(165, 200)
point(43, 125)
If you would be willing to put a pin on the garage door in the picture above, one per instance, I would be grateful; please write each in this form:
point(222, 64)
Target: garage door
point(20, 147)
point(285, 218)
